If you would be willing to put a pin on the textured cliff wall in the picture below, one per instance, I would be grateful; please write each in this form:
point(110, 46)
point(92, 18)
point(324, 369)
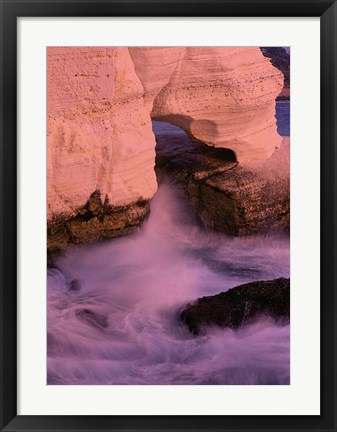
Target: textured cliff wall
point(101, 148)
point(224, 97)
point(239, 200)
point(99, 132)
point(280, 58)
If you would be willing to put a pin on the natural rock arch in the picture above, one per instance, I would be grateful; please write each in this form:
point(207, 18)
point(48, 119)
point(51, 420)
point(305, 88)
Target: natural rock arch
point(100, 105)
point(224, 97)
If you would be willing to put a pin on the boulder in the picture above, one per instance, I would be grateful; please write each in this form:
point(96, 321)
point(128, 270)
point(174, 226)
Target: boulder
point(240, 306)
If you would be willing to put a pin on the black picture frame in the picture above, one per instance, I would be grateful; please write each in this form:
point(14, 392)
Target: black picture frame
point(10, 11)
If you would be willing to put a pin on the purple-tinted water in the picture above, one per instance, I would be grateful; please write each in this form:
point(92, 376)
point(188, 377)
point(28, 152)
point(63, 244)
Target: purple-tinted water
point(118, 323)
point(283, 117)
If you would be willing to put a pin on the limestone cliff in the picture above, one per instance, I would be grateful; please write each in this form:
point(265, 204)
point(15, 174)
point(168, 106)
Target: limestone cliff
point(224, 97)
point(101, 148)
point(280, 58)
point(99, 132)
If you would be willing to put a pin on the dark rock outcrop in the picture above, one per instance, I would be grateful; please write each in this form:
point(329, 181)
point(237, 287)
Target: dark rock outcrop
point(94, 221)
point(236, 199)
point(240, 305)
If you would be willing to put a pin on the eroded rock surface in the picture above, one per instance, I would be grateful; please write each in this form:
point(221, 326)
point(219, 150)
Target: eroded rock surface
point(93, 318)
point(240, 305)
point(99, 133)
point(95, 221)
point(280, 58)
point(100, 140)
point(224, 97)
point(228, 197)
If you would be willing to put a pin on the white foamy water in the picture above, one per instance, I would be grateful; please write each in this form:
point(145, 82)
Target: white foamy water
point(118, 323)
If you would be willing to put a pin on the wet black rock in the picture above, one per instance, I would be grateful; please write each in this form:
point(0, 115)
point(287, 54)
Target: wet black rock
point(240, 306)
point(93, 318)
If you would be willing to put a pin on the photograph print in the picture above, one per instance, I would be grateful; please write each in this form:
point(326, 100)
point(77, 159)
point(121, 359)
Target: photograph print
point(168, 216)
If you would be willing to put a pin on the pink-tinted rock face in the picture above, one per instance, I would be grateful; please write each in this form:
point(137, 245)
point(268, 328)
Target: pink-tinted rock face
point(224, 97)
point(101, 101)
point(99, 132)
point(155, 67)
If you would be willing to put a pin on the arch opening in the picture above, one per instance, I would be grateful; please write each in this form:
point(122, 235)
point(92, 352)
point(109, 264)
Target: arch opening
point(178, 156)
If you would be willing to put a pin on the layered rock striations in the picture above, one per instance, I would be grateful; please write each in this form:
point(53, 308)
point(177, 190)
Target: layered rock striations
point(224, 97)
point(229, 197)
point(101, 148)
point(100, 142)
point(99, 132)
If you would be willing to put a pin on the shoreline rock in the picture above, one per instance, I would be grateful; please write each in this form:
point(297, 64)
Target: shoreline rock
point(100, 104)
point(94, 221)
point(240, 306)
point(221, 96)
point(228, 197)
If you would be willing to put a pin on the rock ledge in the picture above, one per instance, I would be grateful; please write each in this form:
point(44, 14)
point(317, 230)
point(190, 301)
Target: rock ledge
point(240, 305)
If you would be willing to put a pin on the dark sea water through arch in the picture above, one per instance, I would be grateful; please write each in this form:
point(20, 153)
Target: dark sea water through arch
point(113, 307)
point(283, 117)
